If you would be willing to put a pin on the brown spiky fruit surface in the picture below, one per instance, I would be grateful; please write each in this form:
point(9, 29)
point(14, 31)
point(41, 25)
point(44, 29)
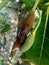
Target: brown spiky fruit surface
point(24, 29)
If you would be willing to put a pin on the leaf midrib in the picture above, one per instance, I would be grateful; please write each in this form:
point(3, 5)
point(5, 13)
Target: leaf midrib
point(43, 36)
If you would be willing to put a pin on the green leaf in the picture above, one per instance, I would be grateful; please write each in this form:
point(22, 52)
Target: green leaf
point(39, 52)
point(28, 2)
point(44, 1)
point(3, 4)
point(43, 4)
